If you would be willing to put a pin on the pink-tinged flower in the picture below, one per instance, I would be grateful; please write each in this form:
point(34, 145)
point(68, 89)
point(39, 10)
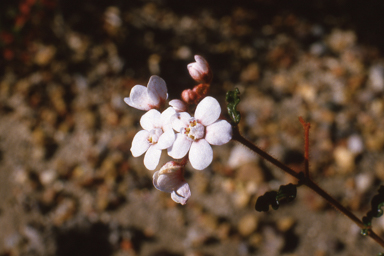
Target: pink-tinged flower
point(156, 136)
point(178, 105)
point(150, 97)
point(199, 133)
point(170, 179)
point(200, 70)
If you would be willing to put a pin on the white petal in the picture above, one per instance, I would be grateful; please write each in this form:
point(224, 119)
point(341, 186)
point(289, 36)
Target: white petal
point(182, 194)
point(150, 120)
point(180, 147)
point(140, 143)
point(202, 63)
point(166, 118)
point(180, 121)
point(208, 111)
point(200, 154)
point(128, 101)
point(166, 139)
point(138, 98)
point(195, 71)
point(157, 90)
point(168, 182)
point(152, 157)
point(178, 105)
point(218, 133)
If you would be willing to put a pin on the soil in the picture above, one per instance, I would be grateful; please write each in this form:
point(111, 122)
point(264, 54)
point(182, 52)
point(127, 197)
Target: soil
point(69, 184)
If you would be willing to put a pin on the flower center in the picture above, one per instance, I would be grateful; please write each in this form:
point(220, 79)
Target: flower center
point(154, 135)
point(194, 131)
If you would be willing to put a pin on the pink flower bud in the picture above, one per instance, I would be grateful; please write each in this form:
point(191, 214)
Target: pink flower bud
point(189, 96)
point(201, 90)
point(200, 70)
point(170, 179)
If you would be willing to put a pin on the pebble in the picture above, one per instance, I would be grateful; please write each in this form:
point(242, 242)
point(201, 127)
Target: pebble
point(47, 177)
point(248, 224)
point(44, 54)
point(250, 172)
point(64, 211)
point(112, 20)
point(339, 40)
point(344, 159)
point(379, 170)
point(250, 73)
point(223, 231)
point(195, 237)
point(35, 240)
point(317, 49)
point(273, 242)
point(285, 223)
point(364, 182)
point(255, 240)
point(355, 144)
point(208, 222)
point(241, 155)
point(184, 52)
point(241, 198)
point(307, 92)
point(376, 77)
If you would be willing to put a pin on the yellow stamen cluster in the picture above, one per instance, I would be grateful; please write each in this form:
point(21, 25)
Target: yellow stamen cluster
point(194, 131)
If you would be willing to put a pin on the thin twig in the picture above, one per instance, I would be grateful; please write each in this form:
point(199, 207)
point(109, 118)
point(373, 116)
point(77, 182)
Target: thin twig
point(306, 127)
point(307, 181)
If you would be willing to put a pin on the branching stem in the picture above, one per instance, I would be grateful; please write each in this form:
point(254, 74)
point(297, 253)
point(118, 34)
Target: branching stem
point(306, 181)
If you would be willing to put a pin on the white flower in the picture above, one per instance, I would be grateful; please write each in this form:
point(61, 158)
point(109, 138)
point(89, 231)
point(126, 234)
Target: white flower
point(196, 134)
point(146, 98)
point(156, 136)
point(170, 179)
point(200, 70)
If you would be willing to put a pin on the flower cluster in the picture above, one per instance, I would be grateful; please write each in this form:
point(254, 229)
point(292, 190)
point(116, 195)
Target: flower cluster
point(176, 130)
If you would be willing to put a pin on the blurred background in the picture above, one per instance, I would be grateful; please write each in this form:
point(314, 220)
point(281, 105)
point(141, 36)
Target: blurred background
point(69, 185)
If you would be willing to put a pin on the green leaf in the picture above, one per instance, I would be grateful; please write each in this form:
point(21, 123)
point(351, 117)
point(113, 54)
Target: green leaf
point(286, 194)
point(376, 204)
point(263, 202)
point(233, 98)
point(364, 231)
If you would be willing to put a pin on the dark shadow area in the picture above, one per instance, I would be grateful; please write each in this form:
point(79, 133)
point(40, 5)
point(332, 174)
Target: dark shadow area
point(339, 246)
point(291, 241)
point(293, 157)
point(164, 253)
point(92, 241)
point(50, 148)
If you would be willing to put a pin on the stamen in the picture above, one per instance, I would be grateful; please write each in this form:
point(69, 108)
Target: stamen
point(195, 130)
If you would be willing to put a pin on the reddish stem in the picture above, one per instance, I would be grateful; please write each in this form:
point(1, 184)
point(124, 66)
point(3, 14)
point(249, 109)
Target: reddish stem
point(306, 127)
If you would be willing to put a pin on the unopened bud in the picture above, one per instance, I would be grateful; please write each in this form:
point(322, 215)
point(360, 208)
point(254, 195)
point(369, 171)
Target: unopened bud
point(201, 90)
point(200, 70)
point(189, 96)
point(178, 105)
point(170, 179)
